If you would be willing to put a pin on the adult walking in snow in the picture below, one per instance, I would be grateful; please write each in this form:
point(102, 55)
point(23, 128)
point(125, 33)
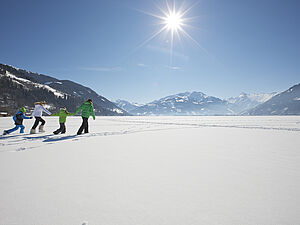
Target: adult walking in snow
point(37, 113)
point(87, 110)
point(18, 118)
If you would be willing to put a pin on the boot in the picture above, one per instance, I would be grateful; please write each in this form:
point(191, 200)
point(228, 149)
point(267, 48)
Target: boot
point(41, 129)
point(32, 131)
point(5, 132)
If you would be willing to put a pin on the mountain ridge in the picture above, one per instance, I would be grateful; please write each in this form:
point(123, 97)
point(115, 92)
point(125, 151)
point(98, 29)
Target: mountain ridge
point(284, 103)
point(198, 103)
point(21, 87)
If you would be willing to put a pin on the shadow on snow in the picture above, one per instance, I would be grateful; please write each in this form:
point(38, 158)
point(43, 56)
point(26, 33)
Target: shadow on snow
point(54, 139)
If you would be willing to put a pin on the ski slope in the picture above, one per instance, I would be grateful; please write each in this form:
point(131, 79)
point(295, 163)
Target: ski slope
point(153, 171)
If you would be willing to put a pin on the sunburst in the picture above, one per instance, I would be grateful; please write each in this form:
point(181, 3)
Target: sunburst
point(174, 21)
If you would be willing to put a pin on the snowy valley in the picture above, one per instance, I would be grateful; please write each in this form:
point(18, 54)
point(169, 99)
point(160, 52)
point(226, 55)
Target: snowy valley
point(159, 112)
point(153, 170)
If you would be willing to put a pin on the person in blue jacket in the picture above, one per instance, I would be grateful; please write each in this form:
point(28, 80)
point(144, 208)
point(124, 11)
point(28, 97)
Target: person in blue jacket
point(18, 118)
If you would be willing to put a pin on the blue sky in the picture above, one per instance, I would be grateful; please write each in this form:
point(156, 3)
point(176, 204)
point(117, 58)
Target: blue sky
point(242, 46)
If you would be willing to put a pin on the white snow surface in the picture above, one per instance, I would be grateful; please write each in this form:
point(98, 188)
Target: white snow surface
point(153, 171)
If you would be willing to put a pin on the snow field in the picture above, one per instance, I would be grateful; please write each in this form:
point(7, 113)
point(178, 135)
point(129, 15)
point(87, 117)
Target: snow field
point(153, 170)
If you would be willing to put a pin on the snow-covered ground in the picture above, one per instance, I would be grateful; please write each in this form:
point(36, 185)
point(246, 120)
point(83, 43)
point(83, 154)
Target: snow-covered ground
point(153, 171)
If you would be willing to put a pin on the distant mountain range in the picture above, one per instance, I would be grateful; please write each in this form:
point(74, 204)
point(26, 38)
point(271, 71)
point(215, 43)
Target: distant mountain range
point(285, 103)
point(198, 103)
point(23, 88)
point(245, 102)
point(126, 105)
point(195, 103)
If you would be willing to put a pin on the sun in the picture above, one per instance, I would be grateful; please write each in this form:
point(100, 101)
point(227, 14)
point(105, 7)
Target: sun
point(174, 21)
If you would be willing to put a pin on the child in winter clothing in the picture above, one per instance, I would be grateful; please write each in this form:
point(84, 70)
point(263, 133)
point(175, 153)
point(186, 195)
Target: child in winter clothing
point(18, 118)
point(87, 110)
point(37, 113)
point(63, 113)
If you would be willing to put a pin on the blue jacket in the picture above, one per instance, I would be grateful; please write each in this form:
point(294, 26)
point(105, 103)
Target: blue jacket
point(18, 118)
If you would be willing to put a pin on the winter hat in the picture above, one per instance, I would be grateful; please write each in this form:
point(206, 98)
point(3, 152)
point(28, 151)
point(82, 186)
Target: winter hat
point(64, 109)
point(89, 100)
point(23, 110)
point(40, 103)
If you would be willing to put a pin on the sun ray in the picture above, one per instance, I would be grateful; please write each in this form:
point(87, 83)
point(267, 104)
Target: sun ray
point(171, 50)
point(178, 35)
point(190, 19)
point(188, 9)
point(196, 42)
point(161, 9)
point(150, 14)
point(168, 7)
point(193, 27)
point(150, 38)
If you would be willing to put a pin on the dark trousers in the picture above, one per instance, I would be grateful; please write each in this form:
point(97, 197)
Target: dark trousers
point(84, 126)
point(37, 120)
point(62, 129)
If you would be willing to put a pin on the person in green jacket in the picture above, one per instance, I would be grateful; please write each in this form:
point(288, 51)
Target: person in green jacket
point(63, 113)
point(87, 110)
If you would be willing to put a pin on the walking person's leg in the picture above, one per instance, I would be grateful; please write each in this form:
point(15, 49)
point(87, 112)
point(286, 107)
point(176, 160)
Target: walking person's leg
point(58, 130)
point(12, 129)
point(63, 130)
point(22, 129)
point(81, 127)
point(41, 127)
point(43, 121)
point(86, 125)
point(36, 123)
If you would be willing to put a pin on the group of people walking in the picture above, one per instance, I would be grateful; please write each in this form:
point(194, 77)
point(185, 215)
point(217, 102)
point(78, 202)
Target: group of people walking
point(86, 110)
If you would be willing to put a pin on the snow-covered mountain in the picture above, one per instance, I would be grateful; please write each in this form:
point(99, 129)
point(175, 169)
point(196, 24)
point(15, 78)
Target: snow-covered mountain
point(126, 105)
point(196, 103)
point(188, 103)
point(285, 103)
point(244, 101)
point(22, 88)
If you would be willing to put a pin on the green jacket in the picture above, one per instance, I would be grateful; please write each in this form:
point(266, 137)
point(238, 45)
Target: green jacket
point(62, 115)
point(87, 110)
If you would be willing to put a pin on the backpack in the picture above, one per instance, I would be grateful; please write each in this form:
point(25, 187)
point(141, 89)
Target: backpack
point(18, 118)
